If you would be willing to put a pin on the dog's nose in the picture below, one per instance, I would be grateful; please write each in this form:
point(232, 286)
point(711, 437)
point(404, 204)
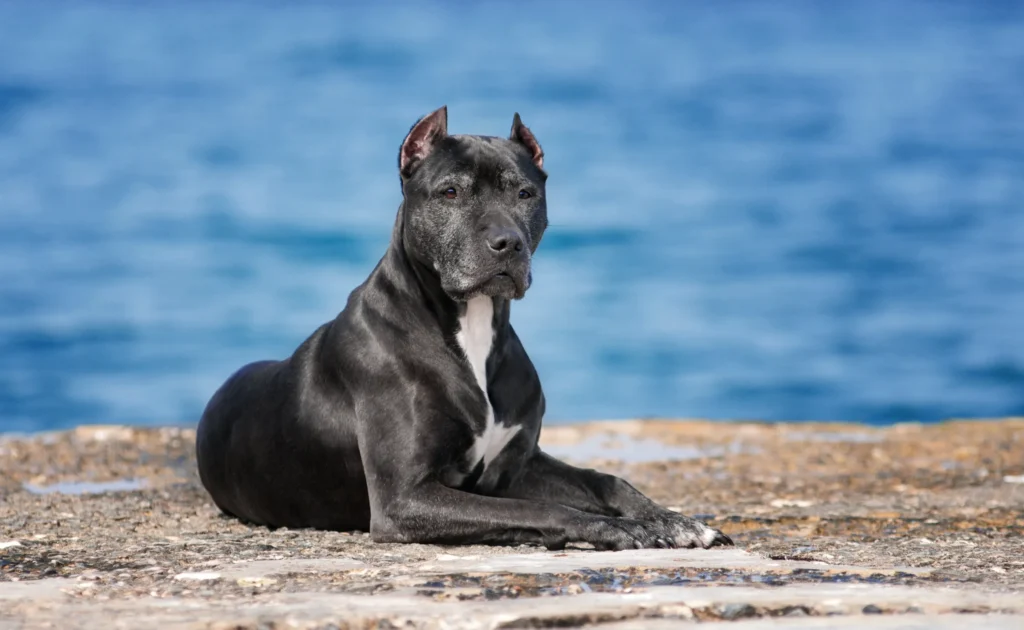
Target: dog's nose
point(502, 241)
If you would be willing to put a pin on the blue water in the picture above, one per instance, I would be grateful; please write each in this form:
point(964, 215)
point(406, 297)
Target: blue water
point(759, 210)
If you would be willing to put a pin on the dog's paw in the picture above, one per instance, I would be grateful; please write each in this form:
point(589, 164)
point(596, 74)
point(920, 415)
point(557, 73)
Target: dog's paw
point(685, 532)
point(666, 530)
point(618, 534)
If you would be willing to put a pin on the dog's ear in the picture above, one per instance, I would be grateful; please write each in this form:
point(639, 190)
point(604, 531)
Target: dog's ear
point(522, 134)
point(422, 139)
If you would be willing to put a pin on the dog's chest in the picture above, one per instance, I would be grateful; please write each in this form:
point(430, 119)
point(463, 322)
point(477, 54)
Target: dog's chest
point(476, 337)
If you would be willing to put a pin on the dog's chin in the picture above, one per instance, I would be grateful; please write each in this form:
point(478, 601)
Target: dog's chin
point(503, 285)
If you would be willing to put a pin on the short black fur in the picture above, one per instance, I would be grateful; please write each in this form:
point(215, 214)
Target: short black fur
point(371, 423)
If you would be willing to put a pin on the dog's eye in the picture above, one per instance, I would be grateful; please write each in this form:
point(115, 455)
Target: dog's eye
point(451, 193)
point(524, 194)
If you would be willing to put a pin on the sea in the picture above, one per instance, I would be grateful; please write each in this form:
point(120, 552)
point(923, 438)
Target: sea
point(759, 210)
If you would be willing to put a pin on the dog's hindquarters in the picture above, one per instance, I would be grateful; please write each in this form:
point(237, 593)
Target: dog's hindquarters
point(263, 455)
point(226, 421)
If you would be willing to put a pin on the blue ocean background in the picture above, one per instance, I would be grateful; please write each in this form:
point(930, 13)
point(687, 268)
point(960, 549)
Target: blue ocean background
point(780, 211)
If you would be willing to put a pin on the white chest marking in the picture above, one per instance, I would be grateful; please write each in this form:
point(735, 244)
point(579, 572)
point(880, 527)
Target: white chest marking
point(476, 335)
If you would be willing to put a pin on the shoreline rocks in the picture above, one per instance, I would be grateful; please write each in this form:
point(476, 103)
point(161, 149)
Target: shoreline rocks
point(909, 522)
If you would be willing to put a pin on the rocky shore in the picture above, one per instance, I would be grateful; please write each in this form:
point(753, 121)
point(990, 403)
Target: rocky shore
point(916, 525)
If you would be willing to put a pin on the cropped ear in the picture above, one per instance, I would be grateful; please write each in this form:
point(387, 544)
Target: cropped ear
point(422, 139)
point(522, 134)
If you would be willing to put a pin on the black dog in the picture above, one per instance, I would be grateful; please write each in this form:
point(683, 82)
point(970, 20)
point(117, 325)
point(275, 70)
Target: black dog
point(415, 413)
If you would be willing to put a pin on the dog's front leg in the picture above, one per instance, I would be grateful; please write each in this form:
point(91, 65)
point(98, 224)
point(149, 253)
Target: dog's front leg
point(548, 479)
point(409, 504)
point(434, 513)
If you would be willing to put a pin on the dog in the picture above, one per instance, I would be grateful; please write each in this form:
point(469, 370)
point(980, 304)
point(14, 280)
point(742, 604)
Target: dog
point(415, 414)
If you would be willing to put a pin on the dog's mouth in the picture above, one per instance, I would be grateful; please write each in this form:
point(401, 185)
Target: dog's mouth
point(505, 284)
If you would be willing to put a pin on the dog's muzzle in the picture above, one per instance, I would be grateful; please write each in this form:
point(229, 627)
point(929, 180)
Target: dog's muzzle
point(510, 256)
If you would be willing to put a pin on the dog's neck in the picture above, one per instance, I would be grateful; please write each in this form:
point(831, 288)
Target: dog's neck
point(419, 280)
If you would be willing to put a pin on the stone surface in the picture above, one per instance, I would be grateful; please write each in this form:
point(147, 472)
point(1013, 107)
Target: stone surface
point(836, 526)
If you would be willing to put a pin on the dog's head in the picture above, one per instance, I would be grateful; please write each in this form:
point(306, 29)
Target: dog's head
point(474, 206)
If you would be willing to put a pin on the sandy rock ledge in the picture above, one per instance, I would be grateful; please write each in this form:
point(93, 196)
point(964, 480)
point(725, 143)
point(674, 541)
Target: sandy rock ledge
point(836, 526)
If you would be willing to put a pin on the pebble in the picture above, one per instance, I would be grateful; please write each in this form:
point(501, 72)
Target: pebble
point(679, 611)
point(255, 581)
point(10, 543)
point(199, 576)
point(799, 503)
point(737, 611)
